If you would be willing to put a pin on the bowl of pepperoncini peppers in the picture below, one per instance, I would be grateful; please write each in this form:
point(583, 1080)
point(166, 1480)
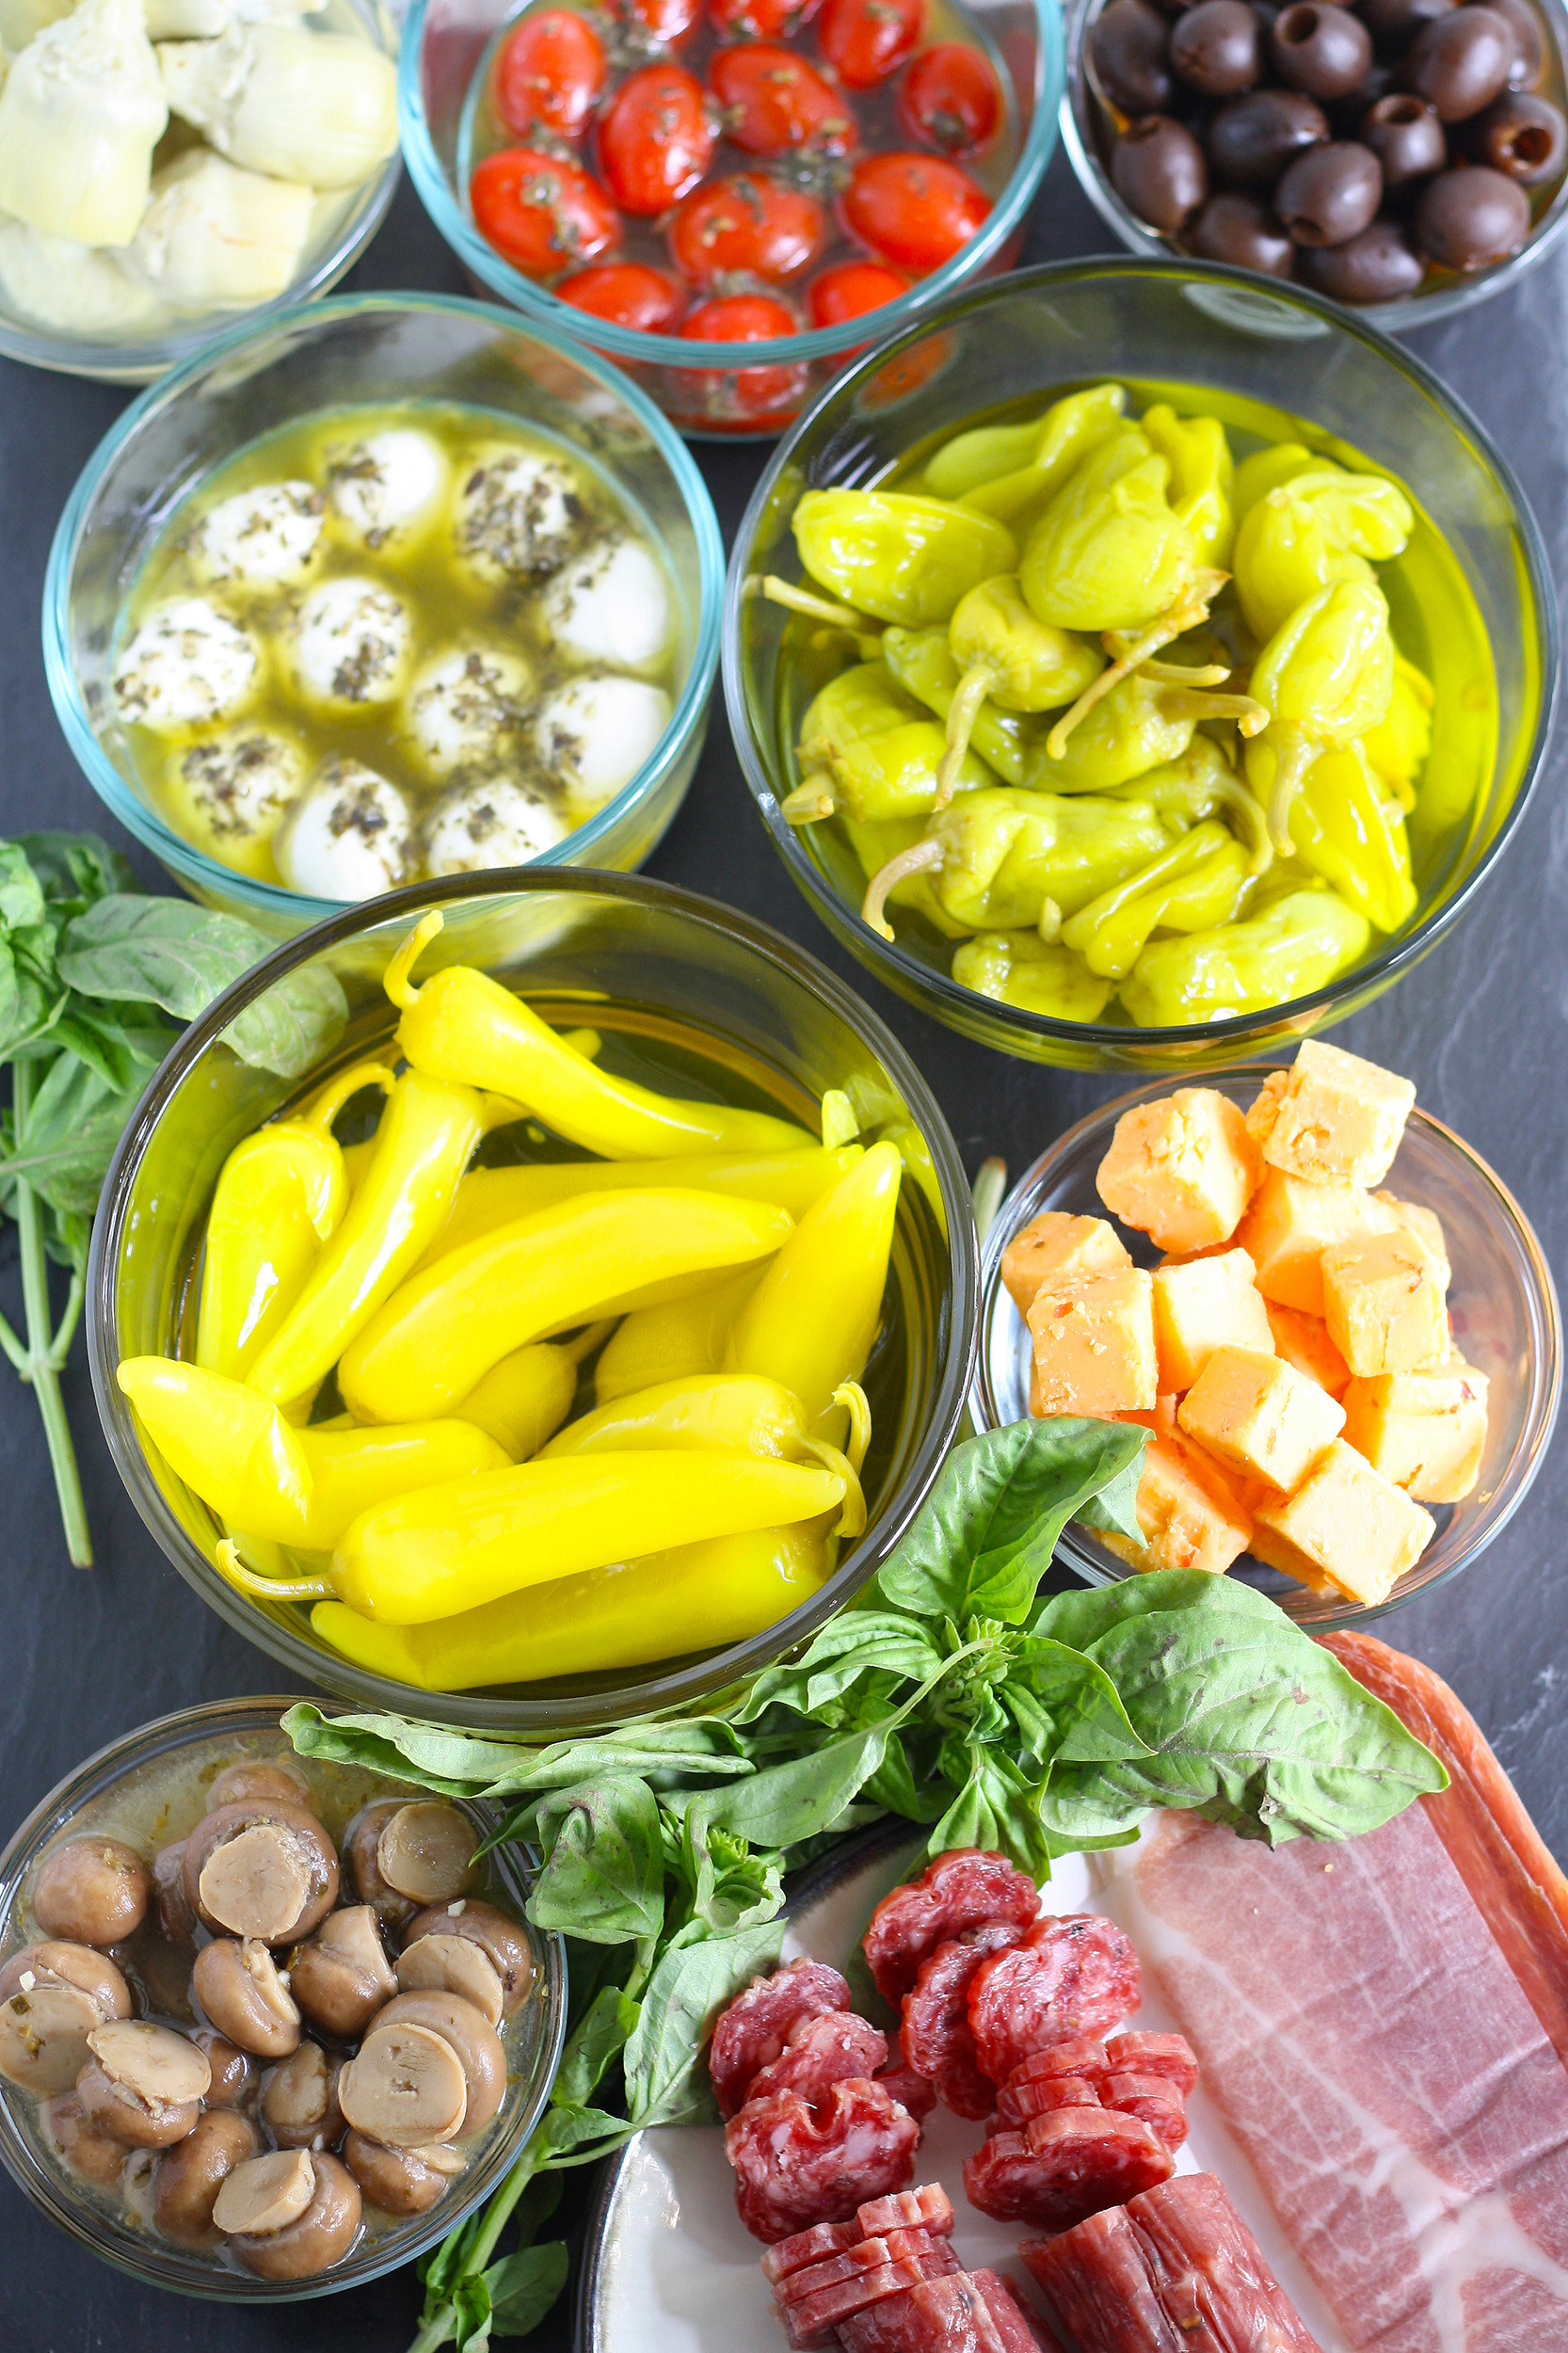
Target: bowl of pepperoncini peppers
point(578, 1335)
point(1133, 664)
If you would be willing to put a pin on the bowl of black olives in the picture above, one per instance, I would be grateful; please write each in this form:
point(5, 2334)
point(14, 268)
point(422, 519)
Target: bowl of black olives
point(1407, 157)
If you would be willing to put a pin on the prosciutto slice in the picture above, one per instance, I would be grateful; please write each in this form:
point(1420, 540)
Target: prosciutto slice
point(1378, 2023)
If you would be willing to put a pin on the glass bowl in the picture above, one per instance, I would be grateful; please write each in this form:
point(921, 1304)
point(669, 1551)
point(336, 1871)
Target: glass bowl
point(346, 221)
point(733, 1010)
point(1285, 358)
point(444, 42)
point(1504, 1310)
point(362, 349)
point(120, 1790)
point(1444, 300)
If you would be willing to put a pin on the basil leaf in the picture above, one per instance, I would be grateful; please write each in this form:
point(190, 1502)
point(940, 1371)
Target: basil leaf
point(605, 1876)
point(799, 1798)
point(857, 1643)
point(21, 892)
point(471, 2314)
point(64, 1147)
point(523, 2288)
point(595, 2042)
point(1088, 1719)
point(994, 1809)
point(32, 997)
point(453, 1763)
point(165, 952)
point(658, 1753)
point(731, 1887)
point(895, 1789)
point(75, 869)
point(288, 1029)
point(697, 1977)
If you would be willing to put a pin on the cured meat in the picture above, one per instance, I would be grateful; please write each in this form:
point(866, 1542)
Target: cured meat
point(948, 2316)
point(1018, 2101)
point(816, 2319)
point(1176, 2269)
point(1014, 2326)
point(1168, 2054)
point(1065, 2165)
point(867, 2254)
point(796, 2164)
point(928, 2208)
point(753, 2031)
point(910, 2091)
point(962, 1889)
point(1153, 2098)
point(821, 2052)
point(1074, 1975)
point(935, 2035)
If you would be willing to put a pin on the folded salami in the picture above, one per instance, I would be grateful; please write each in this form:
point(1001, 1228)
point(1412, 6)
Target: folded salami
point(796, 2163)
point(962, 1889)
point(1074, 1975)
point(755, 2028)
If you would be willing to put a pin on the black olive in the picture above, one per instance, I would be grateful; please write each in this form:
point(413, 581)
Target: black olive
point(1250, 140)
point(1217, 47)
point(1394, 23)
point(1321, 49)
point(1471, 218)
point(1237, 228)
point(1158, 170)
point(1461, 62)
point(1528, 68)
point(1330, 194)
point(1405, 136)
point(1526, 137)
point(1126, 47)
point(1377, 266)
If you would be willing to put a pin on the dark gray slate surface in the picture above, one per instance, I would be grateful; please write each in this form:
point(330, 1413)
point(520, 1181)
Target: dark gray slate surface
point(1481, 1028)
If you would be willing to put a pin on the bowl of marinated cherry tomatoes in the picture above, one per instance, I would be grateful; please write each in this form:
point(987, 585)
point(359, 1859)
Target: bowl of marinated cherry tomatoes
point(729, 197)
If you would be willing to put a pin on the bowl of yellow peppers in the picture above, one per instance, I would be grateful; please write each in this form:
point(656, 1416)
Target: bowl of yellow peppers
point(581, 1331)
point(1135, 666)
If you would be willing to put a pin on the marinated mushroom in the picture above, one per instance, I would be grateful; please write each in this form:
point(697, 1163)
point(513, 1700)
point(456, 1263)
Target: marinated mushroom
point(261, 1869)
point(176, 1918)
point(401, 2181)
point(190, 2175)
point(425, 1853)
point(471, 2035)
point(91, 2154)
point(94, 1890)
point(241, 1989)
point(360, 1847)
point(342, 1977)
point(453, 1964)
point(51, 1996)
point(254, 1780)
point(233, 2072)
point(504, 1944)
point(143, 2084)
point(405, 2086)
point(300, 2100)
point(274, 2242)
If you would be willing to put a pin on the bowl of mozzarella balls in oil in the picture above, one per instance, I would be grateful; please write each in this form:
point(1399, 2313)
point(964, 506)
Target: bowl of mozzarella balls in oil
point(269, 2026)
point(429, 596)
point(1402, 156)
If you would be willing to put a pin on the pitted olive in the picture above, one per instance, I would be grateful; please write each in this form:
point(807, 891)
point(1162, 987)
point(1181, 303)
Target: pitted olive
point(360, 1842)
point(143, 2084)
point(94, 2155)
point(342, 1977)
point(453, 1964)
point(471, 2035)
point(189, 2176)
point(425, 1852)
point(233, 2074)
point(94, 1890)
point(405, 2086)
point(257, 1781)
point(176, 1917)
point(502, 1940)
point(401, 2181)
point(266, 1869)
point(242, 1991)
point(300, 2100)
point(51, 1996)
point(289, 2215)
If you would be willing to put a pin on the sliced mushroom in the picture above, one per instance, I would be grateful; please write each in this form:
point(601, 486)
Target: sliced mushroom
point(233, 2072)
point(189, 2176)
point(453, 1964)
point(405, 2086)
point(95, 1891)
point(300, 2100)
point(255, 1781)
point(242, 1991)
point(402, 2181)
point(342, 1977)
point(360, 1842)
point(261, 1869)
point(425, 1852)
point(94, 2155)
point(502, 1940)
point(51, 1996)
point(267, 2193)
point(143, 2084)
point(316, 2237)
point(471, 2035)
point(176, 1917)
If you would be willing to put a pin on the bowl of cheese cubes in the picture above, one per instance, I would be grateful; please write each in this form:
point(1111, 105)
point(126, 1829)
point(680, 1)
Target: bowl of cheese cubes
point(1332, 1317)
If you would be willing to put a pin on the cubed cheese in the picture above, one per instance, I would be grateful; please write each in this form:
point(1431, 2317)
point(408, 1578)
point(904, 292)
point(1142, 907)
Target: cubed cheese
point(1054, 1245)
point(1426, 1430)
point(1304, 1341)
point(1210, 1303)
point(1339, 1119)
point(1190, 1514)
point(1289, 1225)
point(1263, 1109)
point(1182, 1169)
point(1260, 1417)
point(1093, 1344)
point(1425, 1224)
point(1346, 1523)
point(1384, 1304)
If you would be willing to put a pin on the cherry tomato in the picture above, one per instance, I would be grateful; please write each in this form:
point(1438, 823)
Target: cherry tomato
point(848, 291)
point(655, 24)
point(750, 394)
point(773, 99)
point(950, 97)
point(655, 140)
point(865, 40)
point(761, 20)
point(550, 71)
point(748, 223)
point(629, 294)
point(914, 210)
point(541, 214)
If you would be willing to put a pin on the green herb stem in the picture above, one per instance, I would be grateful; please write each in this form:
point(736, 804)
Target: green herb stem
point(46, 1350)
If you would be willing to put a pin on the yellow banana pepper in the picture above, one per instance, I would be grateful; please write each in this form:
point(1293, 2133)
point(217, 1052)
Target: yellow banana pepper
point(812, 1318)
point(491, 1197)
point(523, 1399)
point(688, 1335)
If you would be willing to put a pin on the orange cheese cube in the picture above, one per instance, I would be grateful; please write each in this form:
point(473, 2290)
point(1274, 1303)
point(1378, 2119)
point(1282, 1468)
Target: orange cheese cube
point(1207, 1304)
point(1414, 1217)
point(1384, 1304)
point(1182, 1169)
point(1346, 1523)
point(1289, 1225)
point(1093, 1344)
point(1190, 1515)
point(1337, 1119)
point(1260, 1417)
point(1426, 1430)
point(1057, 1245)
point(1304, 1341)
point(1263, 1109)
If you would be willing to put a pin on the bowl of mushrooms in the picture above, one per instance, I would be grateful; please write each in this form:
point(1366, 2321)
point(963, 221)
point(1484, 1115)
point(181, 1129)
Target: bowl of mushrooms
point(269, 2027)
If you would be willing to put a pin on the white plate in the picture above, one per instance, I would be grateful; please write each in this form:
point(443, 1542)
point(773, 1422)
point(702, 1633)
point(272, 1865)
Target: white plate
point(672, 2270)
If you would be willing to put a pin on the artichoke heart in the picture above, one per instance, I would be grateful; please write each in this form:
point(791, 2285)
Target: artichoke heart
point(218, 238)
point(81, 111)
point(198, 20)
point(320, 107)
point(59, 283)
point(21, 18)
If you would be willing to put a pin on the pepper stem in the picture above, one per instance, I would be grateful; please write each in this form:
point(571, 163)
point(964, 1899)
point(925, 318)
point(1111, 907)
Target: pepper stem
point(852, 1397)
point(324, 1111)
point(268, 1588)
point(777, 591)
point(851, 1519)
point(1187, 612)
point(395, 979)
point(1250, 715)
point(990, 1183)
point(1295, 757)
point(963, 712)
point(925, 856)
point(583, 1343)
point(809, 802)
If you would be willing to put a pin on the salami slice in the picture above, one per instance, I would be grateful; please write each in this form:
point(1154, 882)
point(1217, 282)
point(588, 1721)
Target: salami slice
point(1168, 2054)
point(910, 2091)
point(867, 2254)
point(1073, 1974)
point(1016, 2328)
point(1155, 2098)
point(1067, 2164)
point(795, 2165)
point(928, 2208)
point(935, 2035)
point(1018, 2101)
point(815, 2320)
point(960, 1890)
point(948, 2316)
point(1080, 2054)
point(819, 2053)
point(753, 2031)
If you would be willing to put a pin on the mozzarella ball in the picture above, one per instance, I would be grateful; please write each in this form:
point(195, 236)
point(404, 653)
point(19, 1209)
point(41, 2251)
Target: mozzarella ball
point(350, 643)
point(499, 823)
point(187, 664)
point(259, 539)
point(463, 707)
point(385, 483)
point(347, 839)
point(595, 733)
point(517, 515)
point(233, 787)
point(612, 605)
